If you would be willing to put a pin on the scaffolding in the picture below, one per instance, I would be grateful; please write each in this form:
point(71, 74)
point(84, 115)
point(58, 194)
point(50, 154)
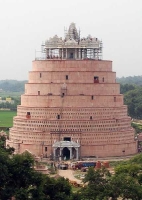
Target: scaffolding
point(71, 47)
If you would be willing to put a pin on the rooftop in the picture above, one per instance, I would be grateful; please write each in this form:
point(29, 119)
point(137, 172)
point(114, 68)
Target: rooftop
point(66, 144)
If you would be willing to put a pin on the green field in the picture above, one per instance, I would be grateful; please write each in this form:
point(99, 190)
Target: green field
point(6, 118)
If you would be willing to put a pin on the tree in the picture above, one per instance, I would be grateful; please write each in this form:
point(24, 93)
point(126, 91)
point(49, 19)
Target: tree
point(128, 176)
point(3, 148)
point(96, 184)
point(126, 87)
point(137, 80)
point(19, 179)
point(133, 99)
point(57, 189)
point(131, 169)
point(124, 186)
point(125, 183)
point(17, 174)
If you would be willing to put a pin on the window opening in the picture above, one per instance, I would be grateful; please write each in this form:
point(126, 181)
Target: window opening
point(45, 148)
point(92, 97)
point(58, 116)
point(38, 92)
point(67, 77)
point(63, 94)
point(90, 117)
point(28, 115)
point(67, 139)
point(114, 99)
point(40, 75)
point(96, 79)
point(103, 79)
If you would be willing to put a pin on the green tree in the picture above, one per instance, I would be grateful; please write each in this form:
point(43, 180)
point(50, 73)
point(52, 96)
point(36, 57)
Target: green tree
point(130, 179)
point(133, 99)
point(19, 179)
point(137, 80)
point(3, 148)
point(57, 189)
point(130, 169)
point(125, 183)
point(124, 186)
point(127, 87)
point(96, 185)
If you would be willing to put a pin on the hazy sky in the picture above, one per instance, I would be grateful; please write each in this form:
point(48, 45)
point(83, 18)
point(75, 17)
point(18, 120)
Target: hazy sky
point(24, 24)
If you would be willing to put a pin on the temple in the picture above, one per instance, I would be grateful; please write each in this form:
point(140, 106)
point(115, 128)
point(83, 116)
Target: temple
point(72, 106)
point(73, 47)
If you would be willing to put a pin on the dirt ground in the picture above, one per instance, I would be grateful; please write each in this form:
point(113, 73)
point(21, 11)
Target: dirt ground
point(69, 174)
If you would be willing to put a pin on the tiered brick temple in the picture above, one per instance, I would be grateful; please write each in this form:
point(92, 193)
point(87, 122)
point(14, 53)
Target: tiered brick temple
point(72, 106)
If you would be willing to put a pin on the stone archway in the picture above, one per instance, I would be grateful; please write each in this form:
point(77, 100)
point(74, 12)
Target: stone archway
point(68, 149)
point(66, 153)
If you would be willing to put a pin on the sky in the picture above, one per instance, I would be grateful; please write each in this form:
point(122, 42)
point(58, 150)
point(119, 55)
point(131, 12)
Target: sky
point(25, 24)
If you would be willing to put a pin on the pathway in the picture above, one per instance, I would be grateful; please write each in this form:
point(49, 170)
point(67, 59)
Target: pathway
point(68, 174)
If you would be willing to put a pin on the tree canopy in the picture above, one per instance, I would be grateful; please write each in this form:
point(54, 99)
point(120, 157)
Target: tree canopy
point(136, 80)
point(19, 179)
point(12, 85)
point(125, 183)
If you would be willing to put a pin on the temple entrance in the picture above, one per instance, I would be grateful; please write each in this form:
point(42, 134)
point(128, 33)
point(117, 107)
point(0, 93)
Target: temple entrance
point(66, 149)
point(71, 55)
point(66, 153)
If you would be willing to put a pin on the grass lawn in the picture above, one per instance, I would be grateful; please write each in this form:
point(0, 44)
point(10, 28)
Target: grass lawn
point(6, 118)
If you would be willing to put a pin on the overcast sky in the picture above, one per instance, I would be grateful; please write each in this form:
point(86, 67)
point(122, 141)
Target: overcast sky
point(24, 24)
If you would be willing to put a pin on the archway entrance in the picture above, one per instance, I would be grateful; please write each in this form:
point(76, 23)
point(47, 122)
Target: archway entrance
point(71, 55)
point(66, 153)
point(66, 149)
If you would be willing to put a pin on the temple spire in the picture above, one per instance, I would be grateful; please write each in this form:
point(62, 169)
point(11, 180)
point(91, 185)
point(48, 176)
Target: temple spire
point(72, 32)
